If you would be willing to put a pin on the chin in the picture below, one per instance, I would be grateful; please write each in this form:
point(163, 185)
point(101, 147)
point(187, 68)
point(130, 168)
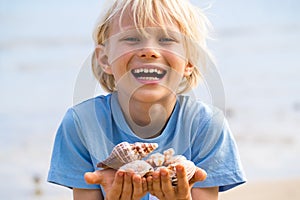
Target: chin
point(152, 95)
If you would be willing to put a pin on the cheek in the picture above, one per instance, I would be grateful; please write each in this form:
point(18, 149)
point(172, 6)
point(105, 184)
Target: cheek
point(120, 66)
point(177, 63)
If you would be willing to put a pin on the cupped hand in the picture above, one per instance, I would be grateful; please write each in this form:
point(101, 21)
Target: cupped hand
point(159, 183)
point(118, 184)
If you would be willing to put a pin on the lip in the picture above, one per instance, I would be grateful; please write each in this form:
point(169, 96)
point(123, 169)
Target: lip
point(149, 74)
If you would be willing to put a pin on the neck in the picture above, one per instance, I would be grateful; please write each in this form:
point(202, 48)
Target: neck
point(147, 119)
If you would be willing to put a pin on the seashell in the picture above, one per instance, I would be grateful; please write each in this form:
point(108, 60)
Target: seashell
point(175, 159)
point(189, 166)
point(156, 159)
point(124, 153)
point(168, 154)
point(139, 167)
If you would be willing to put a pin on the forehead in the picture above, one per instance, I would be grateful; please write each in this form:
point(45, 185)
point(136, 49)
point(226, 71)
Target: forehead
point(126, 21)
point(121, 22)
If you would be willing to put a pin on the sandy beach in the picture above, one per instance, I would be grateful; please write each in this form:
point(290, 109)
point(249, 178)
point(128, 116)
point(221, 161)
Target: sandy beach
point(265, 190)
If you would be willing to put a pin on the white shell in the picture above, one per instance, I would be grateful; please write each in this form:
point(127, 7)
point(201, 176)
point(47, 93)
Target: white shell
point(139, 167)
point(156, 159)
point(189, 166)
point(168, 154)
point(175, 159)
point(124, 153)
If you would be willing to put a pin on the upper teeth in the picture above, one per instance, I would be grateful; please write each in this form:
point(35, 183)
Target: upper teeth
point(148, 70)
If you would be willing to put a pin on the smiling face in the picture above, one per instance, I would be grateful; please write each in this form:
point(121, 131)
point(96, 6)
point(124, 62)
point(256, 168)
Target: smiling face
point(147, 64)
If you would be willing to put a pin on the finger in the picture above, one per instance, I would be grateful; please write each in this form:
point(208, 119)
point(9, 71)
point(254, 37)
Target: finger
point(127, 186)
point(156, 186)
point(144, 185)
point(93, 177)
point(117, 186)
point(149, 180)
point(200, 175)
point(183, 188)
point(166, 184)
point(137, 187)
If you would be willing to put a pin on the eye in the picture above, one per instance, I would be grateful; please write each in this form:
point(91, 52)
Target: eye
point(131, 39)
point(166, 40)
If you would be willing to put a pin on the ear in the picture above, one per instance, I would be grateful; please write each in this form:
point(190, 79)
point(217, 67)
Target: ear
point(188, 69)
point(102, 58)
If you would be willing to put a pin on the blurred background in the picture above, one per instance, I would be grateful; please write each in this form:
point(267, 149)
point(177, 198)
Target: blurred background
point(43, 45)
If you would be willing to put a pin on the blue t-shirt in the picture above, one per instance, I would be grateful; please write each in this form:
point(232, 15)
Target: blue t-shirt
point(91, 129)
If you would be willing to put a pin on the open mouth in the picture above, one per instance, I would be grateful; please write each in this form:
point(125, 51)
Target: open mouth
point(148, 74)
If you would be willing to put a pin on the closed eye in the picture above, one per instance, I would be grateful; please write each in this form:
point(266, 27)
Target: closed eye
point(131, 39)
point(166, 39)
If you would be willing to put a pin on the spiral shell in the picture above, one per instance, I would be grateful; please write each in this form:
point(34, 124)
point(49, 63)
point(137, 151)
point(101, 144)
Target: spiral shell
point(124, 153)
point(139, 167)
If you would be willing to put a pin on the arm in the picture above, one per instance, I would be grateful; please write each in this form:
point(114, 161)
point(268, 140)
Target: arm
point(86, 194)
point(205, 193)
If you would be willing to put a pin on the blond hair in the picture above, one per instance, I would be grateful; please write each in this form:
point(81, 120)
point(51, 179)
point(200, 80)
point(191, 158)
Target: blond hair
point(190, 20)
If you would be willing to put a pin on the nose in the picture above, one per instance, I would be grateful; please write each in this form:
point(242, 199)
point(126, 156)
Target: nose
point(149, 53)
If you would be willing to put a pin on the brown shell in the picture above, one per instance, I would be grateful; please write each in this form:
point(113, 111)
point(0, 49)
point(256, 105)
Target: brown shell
point(124, 153)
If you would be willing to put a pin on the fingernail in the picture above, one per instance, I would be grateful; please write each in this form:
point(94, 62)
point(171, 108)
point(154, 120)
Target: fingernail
point(128, 173)
point(163, 173)
point(179, 168)
point(120, 173)
point(155, 175)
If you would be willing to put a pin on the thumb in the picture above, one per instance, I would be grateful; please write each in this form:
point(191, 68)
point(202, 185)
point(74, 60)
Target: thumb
point(200, 175)
point(93, 177)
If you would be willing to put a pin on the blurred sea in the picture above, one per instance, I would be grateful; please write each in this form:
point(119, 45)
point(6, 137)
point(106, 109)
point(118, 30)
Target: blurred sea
point(43, 45)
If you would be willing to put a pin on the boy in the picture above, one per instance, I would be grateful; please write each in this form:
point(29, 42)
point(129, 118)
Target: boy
point(147, 53)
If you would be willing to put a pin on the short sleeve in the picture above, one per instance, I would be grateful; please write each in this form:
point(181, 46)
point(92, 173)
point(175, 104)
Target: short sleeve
point(70, 159)
point(216, 152)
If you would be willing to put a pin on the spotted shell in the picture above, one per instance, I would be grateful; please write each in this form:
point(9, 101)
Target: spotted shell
point(139, 167)
point(125, 152)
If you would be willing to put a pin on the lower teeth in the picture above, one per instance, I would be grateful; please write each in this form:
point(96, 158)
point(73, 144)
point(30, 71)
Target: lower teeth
point(148, 78)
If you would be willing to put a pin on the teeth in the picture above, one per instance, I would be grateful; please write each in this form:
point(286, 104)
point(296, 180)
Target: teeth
point(146, 70)
point(159, 72)
point(148, 78)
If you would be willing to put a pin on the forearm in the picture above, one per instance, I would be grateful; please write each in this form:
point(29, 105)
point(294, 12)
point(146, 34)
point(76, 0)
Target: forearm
point(87, 194)
point(205, 193)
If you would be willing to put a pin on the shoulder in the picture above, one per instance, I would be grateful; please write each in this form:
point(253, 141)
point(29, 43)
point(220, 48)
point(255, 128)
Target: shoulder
point(101, 99)
point(97, 104)
point(88, 112)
